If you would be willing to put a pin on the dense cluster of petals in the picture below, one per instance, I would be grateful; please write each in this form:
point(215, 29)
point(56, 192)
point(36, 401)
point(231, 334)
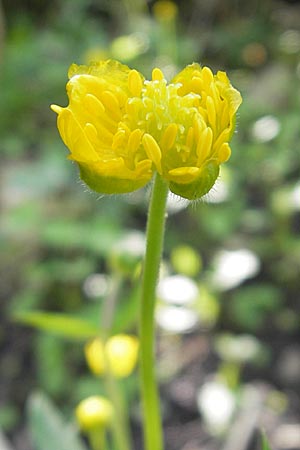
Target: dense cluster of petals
point(121, 128)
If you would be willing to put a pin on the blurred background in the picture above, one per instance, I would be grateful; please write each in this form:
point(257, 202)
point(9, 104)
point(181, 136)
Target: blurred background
point(228, 298)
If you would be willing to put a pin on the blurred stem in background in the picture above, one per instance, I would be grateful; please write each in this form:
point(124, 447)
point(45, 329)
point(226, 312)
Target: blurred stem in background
point(135, 6)
point(128, 12)
point(120, 424)
point(154, 243)
point(109, 305)
point(165, 13)
point(2, 30)
point(97, 439)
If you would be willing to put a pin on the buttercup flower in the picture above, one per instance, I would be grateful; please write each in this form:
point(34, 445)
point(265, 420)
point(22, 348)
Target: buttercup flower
point(165, 10)
point(121, 128)
point(94, 412)
point(120, 353)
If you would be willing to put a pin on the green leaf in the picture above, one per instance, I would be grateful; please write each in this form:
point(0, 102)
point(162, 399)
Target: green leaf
point(265, 444)
point(48, 428)
point(59, 324)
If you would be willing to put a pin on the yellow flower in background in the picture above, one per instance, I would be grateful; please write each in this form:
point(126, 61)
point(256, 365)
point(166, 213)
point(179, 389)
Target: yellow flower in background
point(94, 412)
point(165, 10)
point(94, 355)
point(130, 46)
point(120, 353)
point(121, 128)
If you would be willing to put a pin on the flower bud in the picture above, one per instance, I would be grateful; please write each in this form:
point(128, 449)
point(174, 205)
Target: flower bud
point(119, 355)
point(122, 353)
point(94, 412)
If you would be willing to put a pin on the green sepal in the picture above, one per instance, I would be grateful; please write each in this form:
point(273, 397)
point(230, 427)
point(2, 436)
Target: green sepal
point(108, 184)
point(201, 186)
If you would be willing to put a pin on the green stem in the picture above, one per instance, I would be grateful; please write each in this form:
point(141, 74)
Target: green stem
point(109, 306)
point(120, 426)
point(153, 439)
point(97, 439)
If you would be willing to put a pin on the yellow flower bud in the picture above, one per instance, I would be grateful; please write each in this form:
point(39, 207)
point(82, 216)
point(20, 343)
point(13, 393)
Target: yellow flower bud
point(121, 128)
point(120, 353)
point(186, 260)
point(94, 354)
point(94, 412)
point(165, 10)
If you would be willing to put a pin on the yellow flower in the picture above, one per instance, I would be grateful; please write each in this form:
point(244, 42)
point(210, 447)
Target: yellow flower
point(121, 128)
point(94, 412)
point(120, 353)
point(165, 10)
point(94, 355)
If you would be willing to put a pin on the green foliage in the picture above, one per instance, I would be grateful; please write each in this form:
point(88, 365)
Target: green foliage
point(52, 372)
point(252, 305)
point(265, 443)
point(59, 324)
point(47, 427)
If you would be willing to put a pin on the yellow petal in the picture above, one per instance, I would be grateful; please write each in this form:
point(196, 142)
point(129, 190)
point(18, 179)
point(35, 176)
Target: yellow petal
point(207, 75)
point(187, 73)
point(157, 75)
point(204, 145)
point(57, 109)
point(224, 152)
point(153, 151)
point(169, 137)
point(74, 137)
point(93, 104)
point(91, 133)
point(184, 174)
point(204, 181)
point(134, 140)
point(211, 112)
point(110, 71)
point(135, 83)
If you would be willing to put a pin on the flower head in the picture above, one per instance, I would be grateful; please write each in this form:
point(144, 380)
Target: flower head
point(94, 412)
point(119, 353)
point(121, 128)
point(165, 10)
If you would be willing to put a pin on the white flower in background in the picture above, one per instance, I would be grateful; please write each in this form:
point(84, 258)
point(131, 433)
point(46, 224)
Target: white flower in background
point(176, 319)
point(216, 404)
point(289, 42)
point(295, 197)
point(232, 267)
point(175, 203)
point(266, 128)
point(133, 244)
point(237, 348)
point(220, 192)
point(96, 285)
point(177, 290)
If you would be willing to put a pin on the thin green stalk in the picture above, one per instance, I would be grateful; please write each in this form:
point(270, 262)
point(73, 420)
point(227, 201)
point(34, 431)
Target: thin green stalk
point(120, 425)
point(153, 438)
point(97, 439)
point(109, 306)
